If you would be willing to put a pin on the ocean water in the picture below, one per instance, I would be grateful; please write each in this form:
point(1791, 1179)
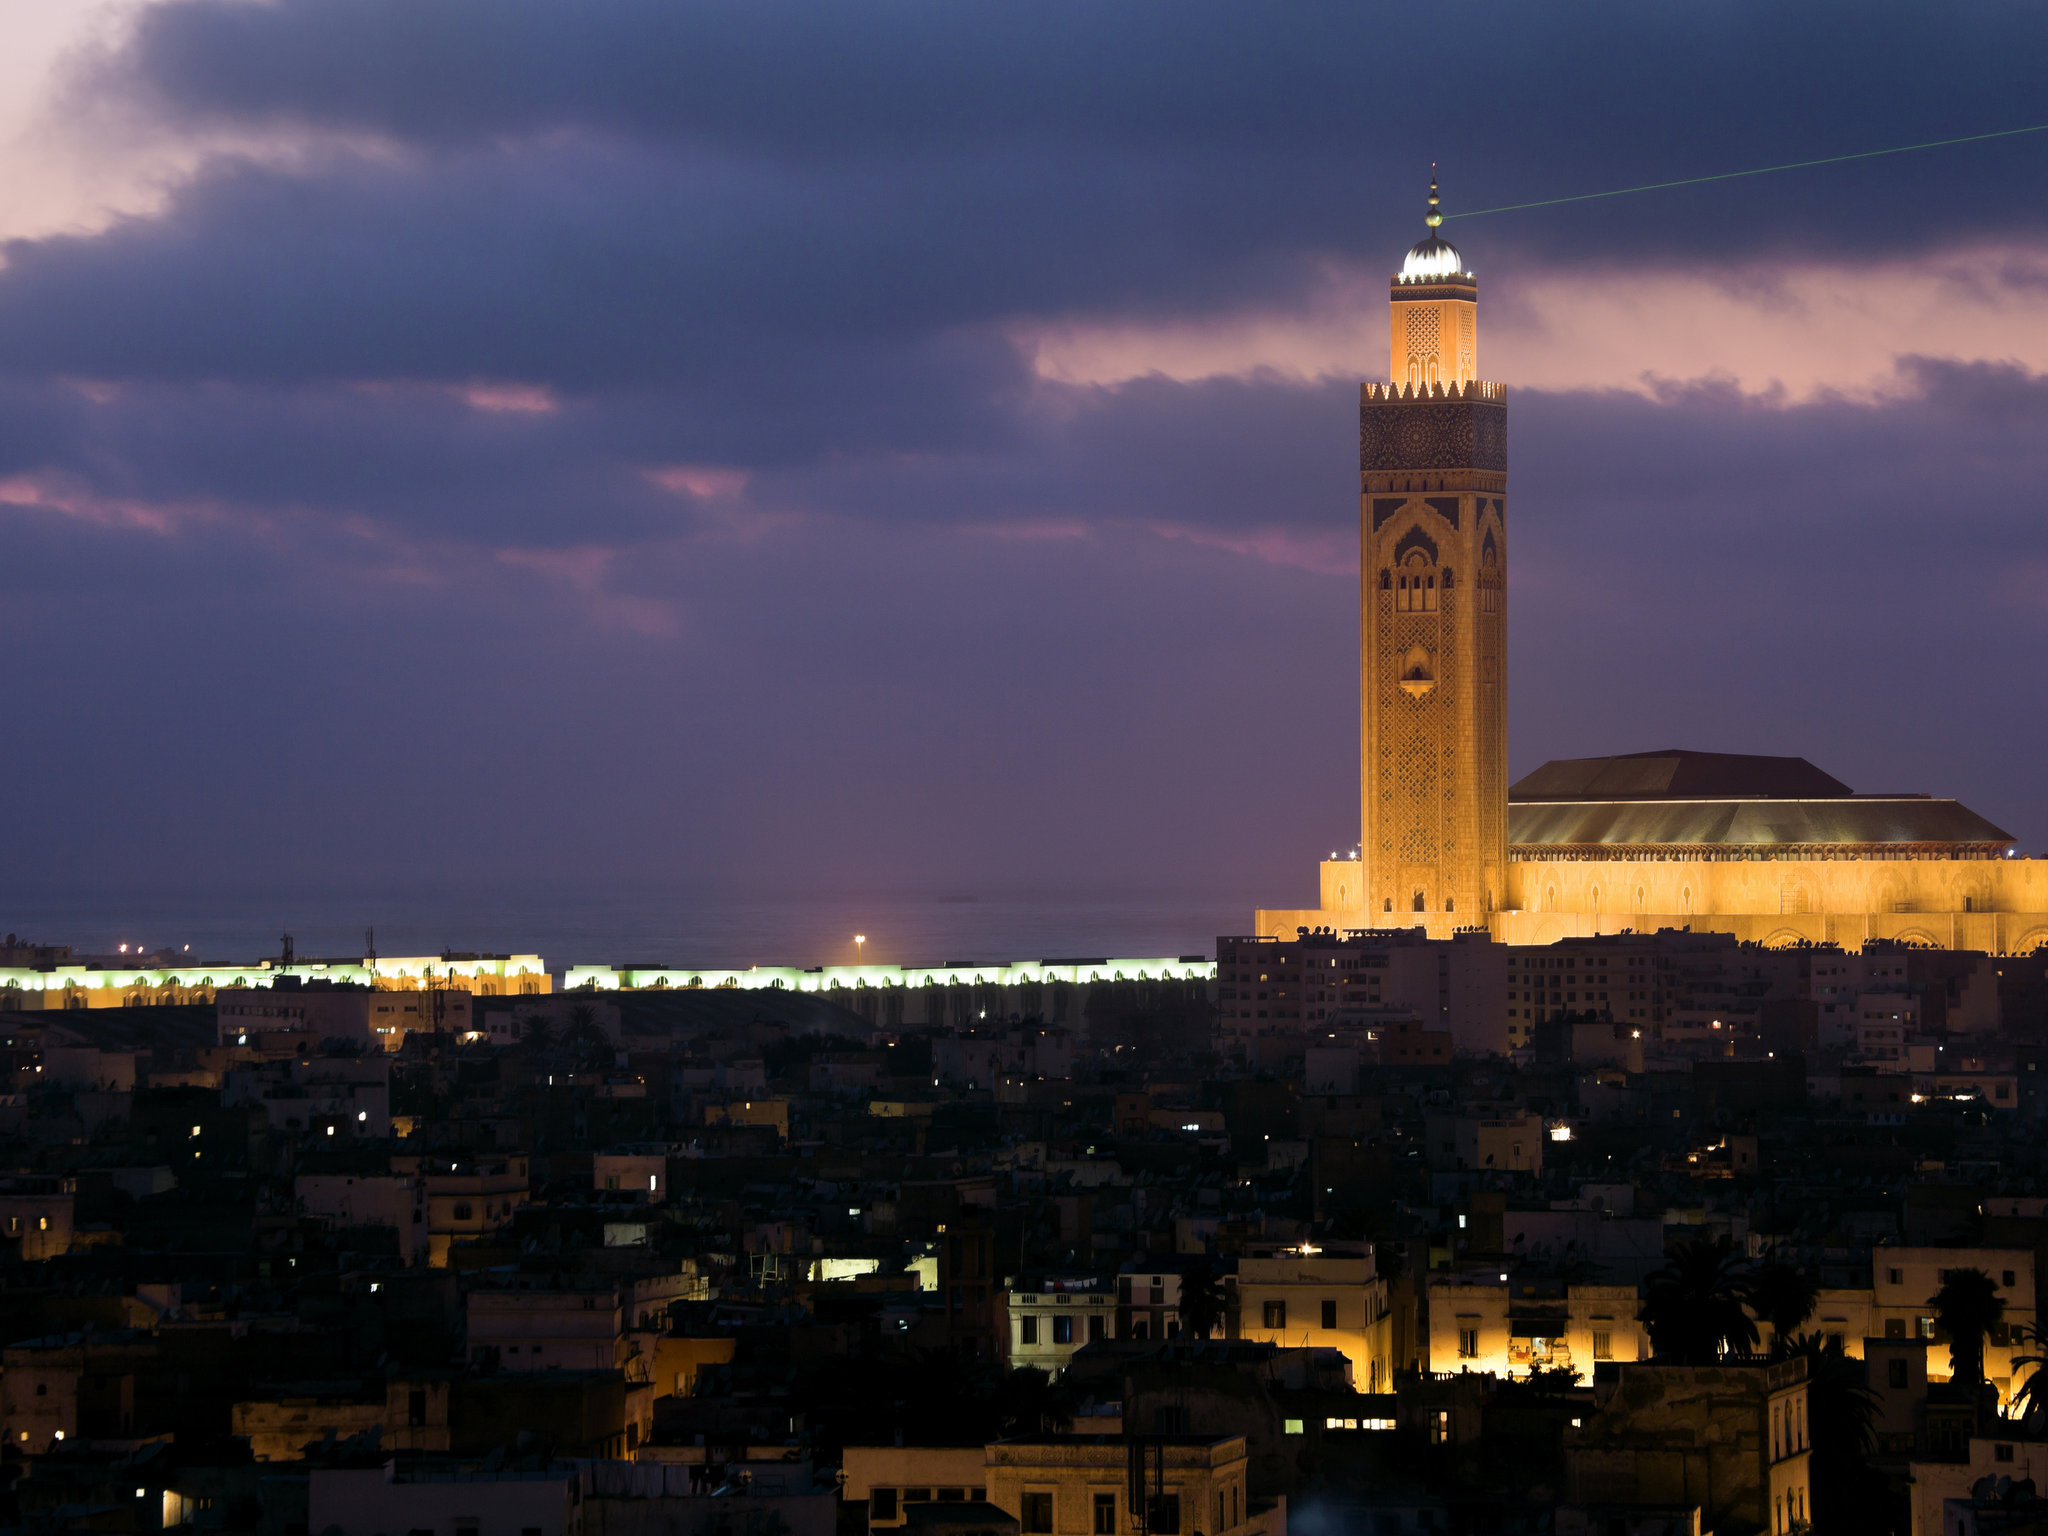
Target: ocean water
point(632, 927)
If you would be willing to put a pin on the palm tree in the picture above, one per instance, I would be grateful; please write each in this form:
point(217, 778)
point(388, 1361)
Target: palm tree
point(1693, 1307)
point(1201, 1299)
point(1841, 1418)
point(1781, 1295)
point(1966, 1308)
point(2030, 1397)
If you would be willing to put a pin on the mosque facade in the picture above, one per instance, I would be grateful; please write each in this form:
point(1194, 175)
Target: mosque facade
point(1770, 849)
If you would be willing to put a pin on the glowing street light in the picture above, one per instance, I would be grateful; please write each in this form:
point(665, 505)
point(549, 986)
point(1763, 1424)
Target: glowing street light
point(859, 940)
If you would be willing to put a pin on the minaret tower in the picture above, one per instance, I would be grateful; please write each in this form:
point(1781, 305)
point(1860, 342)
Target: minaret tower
point(1432, 648)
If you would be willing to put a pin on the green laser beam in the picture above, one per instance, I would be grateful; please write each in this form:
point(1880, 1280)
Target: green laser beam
point(1761, 170)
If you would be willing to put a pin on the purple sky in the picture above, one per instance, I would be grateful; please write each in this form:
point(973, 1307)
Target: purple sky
point(768, 447)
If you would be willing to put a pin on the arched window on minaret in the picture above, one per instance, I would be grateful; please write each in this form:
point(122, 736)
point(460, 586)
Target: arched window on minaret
point(1415, 585)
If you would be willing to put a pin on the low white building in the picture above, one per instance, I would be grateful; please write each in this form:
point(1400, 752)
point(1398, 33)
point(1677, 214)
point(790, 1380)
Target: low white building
point(1052, 1316)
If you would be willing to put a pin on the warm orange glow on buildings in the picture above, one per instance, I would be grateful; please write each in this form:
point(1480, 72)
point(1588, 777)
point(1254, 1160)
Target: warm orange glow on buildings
point(1770, 849)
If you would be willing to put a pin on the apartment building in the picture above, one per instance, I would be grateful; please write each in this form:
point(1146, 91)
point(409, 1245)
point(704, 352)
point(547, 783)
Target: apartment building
point(1328, 1298)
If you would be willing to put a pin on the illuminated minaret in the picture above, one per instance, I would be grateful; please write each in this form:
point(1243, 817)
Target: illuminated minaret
point(1432, 644)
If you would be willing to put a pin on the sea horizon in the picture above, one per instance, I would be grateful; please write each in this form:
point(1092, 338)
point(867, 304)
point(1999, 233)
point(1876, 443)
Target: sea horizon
point(634, 928)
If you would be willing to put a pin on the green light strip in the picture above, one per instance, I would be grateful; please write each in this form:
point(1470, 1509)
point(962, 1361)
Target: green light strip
point(1762, 170)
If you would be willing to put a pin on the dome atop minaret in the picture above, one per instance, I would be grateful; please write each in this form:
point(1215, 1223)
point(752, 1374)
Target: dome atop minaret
point(1432, 258)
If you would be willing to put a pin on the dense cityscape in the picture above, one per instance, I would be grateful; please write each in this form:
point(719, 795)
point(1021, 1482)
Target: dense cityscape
point(1168, 1246)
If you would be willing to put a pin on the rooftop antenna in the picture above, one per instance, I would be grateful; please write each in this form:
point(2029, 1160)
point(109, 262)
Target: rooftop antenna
point(286, 957)
point(370, 948)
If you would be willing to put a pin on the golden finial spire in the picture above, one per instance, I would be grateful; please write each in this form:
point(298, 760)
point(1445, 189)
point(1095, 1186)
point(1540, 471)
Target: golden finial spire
point(1435, 215)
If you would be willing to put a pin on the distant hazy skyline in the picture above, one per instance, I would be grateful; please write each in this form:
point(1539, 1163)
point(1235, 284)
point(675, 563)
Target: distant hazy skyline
point(774, 448)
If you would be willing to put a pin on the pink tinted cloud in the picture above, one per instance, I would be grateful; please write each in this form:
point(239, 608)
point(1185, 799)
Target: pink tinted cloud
point(508, 399)
point(1325, 554)
point(584, 571)
point(1784, 331)
point(704, 481)
point(68, 498)
point(716, 493)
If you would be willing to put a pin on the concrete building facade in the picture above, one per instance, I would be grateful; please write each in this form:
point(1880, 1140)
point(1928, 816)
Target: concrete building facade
point(1314, 1299)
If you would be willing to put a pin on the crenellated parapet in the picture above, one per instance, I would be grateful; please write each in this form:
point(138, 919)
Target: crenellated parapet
point(1439, 437)
point(1471, 389)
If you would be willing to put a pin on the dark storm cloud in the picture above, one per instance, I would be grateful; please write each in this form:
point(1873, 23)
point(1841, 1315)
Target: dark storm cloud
point(902, 609)
point(818, 217)
point(855, 697)
point(578, 267)
point(1853, 584)
point(1337, 106)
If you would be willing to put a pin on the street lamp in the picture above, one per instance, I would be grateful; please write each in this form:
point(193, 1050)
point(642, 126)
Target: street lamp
point(859, 939)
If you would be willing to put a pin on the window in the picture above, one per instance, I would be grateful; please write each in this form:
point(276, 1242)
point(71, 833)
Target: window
point(416, 1408)
point(1063, 1330)
point(1097, 1328)
point(2007, 1277)
point(1603, 1344)
point(1896, 1277)
point(1926, 1327)
point(1165, 1515)
point(1275, 1313)
point(1895, 1327)
point(1895, 1374)
point(1028, 1330)
point(1329, 1314)
point(2001, 1453)
point(952, 1495)
point(1440, 1427)
point(1291, 1427)
point(881, 1503)
point(1105, 1514)
point(917, 1495)
point(462, 1211)
point(1037, 1514)
point(1468, 1343)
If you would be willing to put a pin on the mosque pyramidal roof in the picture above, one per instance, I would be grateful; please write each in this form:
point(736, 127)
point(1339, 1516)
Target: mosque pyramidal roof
point(1676, 799)
point(1679, 775)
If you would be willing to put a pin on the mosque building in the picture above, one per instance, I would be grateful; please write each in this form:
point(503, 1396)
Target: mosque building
point(1771, 849)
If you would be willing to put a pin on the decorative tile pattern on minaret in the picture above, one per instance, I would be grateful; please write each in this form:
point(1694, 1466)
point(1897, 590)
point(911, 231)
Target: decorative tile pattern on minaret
point(1432, 458)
